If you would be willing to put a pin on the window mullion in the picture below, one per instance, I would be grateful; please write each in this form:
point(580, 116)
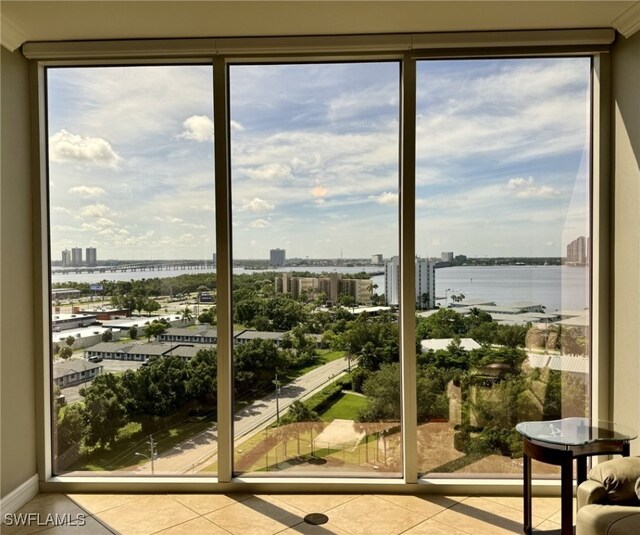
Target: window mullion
point(223, 270)
point(407, 267)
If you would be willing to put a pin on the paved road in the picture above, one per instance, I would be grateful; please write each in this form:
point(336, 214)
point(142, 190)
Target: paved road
point(200, 450)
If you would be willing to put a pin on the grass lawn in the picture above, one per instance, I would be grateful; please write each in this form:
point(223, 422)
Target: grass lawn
point(324, 356)
point(346, 407)
point(131, 439)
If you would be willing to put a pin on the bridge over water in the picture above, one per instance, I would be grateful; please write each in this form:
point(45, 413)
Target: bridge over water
point(140, 266)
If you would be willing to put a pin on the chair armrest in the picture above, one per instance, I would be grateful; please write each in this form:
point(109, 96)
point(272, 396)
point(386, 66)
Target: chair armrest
point(590, 492)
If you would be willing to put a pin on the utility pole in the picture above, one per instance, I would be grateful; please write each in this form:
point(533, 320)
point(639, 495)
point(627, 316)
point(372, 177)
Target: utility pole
point(277, 399)
point(152, 447)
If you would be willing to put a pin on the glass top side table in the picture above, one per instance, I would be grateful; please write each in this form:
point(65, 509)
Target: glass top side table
point(559, 442)
point(575, 431)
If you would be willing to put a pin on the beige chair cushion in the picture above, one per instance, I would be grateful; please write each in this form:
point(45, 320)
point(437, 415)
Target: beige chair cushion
point(608, 520)
point(618, 477)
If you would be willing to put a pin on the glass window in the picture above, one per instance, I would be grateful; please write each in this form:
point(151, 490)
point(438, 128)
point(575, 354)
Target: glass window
point(314, 160)
point(131, 197)
point(503, 218)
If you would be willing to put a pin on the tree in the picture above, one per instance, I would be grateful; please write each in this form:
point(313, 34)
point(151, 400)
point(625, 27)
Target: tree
point(155, 328)
point(208, 316)
point(446, 323)
point(512, 335)
point(424, 301)
point(107, 336)
point(346, 300)
point(299, 412)
point(133, 332)
point(247, 308)
point(285, 313)
point(255, 364)
point(150, 306)
point(382, 389)
point(186, 315)
point(373, 341)
point(202, 383)
point(158, 389)
point(72, 427)
point(66, 352)
point(105, 411)
point(69, 340)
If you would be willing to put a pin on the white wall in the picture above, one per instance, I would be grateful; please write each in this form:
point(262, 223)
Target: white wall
point(625, 372)
point(17, 393)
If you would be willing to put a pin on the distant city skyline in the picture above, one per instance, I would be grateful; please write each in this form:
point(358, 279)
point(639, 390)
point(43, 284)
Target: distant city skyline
point(502, 162)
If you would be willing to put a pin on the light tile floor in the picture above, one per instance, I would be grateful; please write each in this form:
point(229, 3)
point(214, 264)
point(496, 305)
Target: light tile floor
point(262, 514)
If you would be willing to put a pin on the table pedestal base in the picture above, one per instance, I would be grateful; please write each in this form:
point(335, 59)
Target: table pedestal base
point(563, 456)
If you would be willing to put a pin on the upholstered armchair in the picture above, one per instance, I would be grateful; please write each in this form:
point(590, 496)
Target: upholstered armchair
point(608, 501)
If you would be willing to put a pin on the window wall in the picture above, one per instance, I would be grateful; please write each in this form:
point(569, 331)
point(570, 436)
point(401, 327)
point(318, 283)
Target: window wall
point(502, 267)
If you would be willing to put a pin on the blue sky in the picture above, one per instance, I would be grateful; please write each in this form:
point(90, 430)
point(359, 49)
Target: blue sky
point(501, 159)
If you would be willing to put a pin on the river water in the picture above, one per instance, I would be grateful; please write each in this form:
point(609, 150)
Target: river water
point(555, 287)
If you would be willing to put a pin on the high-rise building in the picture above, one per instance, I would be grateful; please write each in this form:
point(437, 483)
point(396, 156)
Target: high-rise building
point(91, 256)
point(376, 259)
point(578, 251)
point(425, 282)
point(277, 257)
point(76, 256)
point(446, 256)
point(66, 258)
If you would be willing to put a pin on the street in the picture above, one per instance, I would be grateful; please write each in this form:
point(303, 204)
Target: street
point(200, 450)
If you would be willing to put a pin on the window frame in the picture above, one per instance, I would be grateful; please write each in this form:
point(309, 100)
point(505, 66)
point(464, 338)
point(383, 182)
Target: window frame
point(406, 49)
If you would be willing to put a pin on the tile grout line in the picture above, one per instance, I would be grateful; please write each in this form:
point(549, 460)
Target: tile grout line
point(190, 520)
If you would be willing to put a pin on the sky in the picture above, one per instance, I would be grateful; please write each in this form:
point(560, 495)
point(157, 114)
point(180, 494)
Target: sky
point(502, 159)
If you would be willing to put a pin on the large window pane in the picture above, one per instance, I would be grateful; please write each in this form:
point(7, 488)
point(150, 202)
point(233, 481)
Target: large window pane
point(314, 154)
point(131, 198)
point(503, 213)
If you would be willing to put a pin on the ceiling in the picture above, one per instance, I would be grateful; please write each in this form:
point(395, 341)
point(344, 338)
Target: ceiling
point(24, 21)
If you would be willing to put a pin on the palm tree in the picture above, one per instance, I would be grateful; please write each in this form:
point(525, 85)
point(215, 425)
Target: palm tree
point(186, 315)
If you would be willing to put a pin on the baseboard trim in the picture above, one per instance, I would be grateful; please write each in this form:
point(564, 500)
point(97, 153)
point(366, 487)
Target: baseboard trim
point(19, 496)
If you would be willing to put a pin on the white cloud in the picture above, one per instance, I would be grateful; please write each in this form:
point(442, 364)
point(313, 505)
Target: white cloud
point(95, 210)
point(525, 188)
point(259, 223)
point(202, 208)
point(87, 192)
point(386, 197)
point(257, 205)
point(60, 210)
point(270, 171)
point(67, 147)
point(235, 125)
point(197, 128)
